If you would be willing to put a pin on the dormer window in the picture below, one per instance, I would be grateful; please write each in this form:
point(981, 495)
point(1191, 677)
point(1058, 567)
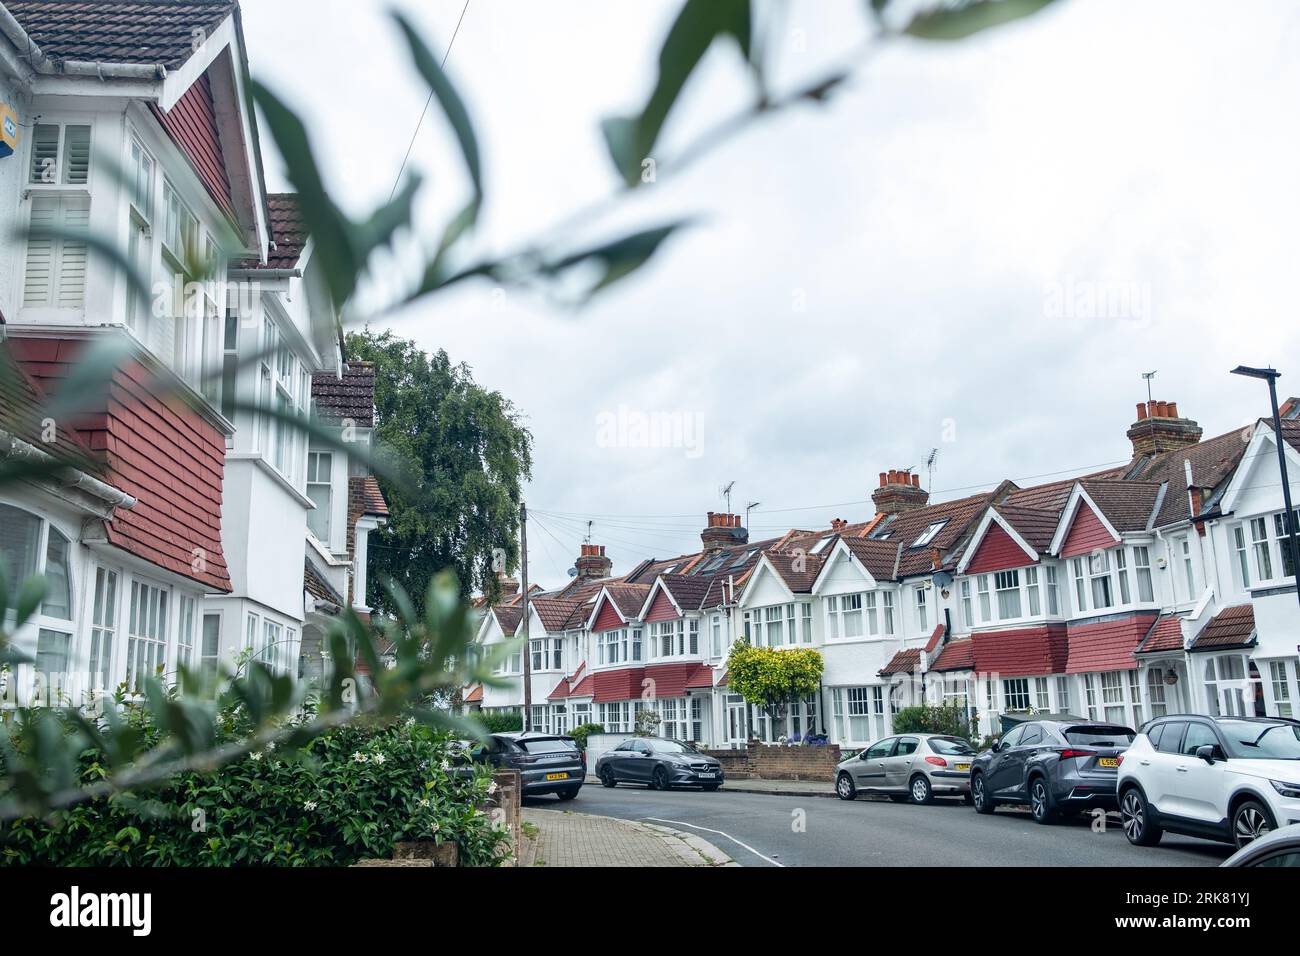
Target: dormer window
point(929, 533)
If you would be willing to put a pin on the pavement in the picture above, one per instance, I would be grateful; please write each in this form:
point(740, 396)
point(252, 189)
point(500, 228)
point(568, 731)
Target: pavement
point(564, 838)
point(784, 826)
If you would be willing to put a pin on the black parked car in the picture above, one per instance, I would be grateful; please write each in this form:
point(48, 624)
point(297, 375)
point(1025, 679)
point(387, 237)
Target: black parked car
point(1057, 767)
point(659, 763)
point(548, 763)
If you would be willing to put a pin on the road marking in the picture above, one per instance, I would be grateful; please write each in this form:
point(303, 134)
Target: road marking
point(679, 823)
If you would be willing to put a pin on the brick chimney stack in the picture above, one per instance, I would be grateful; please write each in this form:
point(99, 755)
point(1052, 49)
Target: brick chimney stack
point(508, 586)
point(1159, 428)
point(592, 563)
point(722, 530)
point(899, 491)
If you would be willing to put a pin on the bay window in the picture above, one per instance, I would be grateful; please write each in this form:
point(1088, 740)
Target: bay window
point(1099, 578)
point(806, 635)
point(103, 629)
point(146, 634)
point(1007, 585)
point(1121, 574)
point(1053, 590)
point(967, 610)
point(858, 714)
point(1015, 694)
point(1242, 563)
point(773, 625)
point(1031, 592)
point(851, 624)
point(986, 605)
point(30, 545)
point(1263, 552)
point(1142, 565)
point(887, 607)
point(1080, 592)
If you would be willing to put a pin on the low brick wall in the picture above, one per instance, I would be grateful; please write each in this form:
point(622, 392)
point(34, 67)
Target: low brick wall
point(774, 762)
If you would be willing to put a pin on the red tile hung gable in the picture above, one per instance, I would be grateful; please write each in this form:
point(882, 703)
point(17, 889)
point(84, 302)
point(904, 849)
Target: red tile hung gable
point(607, 617)
point(622, 684)
point(162, 453)
point(1106, 645)
point(1023, 652)
point(661, 609)
point(475, 696)
point(998, 552)
point(1087, 533)
point(672, 680)
point(192, 125)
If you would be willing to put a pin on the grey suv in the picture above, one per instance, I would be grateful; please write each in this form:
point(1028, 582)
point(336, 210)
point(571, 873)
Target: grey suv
point(547, 763)
point(1057, 767)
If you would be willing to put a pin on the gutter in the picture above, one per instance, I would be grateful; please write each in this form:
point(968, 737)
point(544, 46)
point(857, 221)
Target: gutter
point(72, 477)
point(32, 55)
point(264, 273)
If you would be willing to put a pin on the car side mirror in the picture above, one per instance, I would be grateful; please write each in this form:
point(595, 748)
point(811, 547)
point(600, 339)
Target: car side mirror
point(997, 747)
point(863, 755)
point(1210, 753)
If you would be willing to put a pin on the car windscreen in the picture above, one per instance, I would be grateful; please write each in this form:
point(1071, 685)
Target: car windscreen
point(1261, 741)
point(1087, 735)
point(550, 745)
point(951, 746)
point(671, 747)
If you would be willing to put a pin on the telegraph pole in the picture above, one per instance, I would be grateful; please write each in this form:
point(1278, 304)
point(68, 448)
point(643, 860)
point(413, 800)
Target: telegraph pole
point(528, 650)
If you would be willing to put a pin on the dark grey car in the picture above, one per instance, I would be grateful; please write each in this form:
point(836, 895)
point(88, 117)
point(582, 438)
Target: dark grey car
point(547, 763)
point(658, 763)
point(1056, 767)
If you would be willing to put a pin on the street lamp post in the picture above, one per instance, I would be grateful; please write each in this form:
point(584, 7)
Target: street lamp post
point(1289, 521)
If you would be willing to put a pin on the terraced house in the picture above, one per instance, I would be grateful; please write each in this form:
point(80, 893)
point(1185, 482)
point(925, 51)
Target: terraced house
point(1157, 587)
point(193, 524)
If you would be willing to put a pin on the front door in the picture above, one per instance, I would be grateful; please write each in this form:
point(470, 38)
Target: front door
point(736, 736)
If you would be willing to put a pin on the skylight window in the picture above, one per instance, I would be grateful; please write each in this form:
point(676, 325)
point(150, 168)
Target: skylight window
point(928, 534)
point(820, 544)
point(744, 557)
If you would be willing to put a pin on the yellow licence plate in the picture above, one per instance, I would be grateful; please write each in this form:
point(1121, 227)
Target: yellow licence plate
point(557, 776)
point(963, 766)
point(1107, 762)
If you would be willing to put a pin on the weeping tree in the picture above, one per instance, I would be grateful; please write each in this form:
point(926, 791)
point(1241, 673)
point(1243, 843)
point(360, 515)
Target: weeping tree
point(573, 261)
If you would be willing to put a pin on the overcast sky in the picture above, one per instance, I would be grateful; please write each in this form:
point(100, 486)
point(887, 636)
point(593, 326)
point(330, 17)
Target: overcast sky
point(976, 247)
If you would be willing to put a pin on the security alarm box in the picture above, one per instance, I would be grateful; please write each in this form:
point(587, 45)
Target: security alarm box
point(8, 130)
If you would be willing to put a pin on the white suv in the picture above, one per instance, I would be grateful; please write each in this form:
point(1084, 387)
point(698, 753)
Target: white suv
point(1222, 778)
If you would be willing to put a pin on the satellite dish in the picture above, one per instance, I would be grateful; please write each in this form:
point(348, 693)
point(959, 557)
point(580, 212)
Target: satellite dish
point(573, 572)
point(943, 579)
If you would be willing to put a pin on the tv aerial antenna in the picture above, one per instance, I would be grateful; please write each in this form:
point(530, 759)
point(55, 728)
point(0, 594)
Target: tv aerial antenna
point(929, 468)
point(725, 491)
point(1149, 376)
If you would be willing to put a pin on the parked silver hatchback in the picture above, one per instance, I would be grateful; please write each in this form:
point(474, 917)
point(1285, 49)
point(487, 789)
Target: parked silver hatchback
point(916, 767)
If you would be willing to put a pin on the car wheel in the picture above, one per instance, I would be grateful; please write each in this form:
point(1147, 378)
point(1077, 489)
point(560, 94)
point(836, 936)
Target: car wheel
point(568, 794)
point(1135, 813)
point(659, 779)
point(920, 790)
point(607, 777)
point(1250, 822)
point(979, 795)
point(844, 788)
point(1040, 802)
